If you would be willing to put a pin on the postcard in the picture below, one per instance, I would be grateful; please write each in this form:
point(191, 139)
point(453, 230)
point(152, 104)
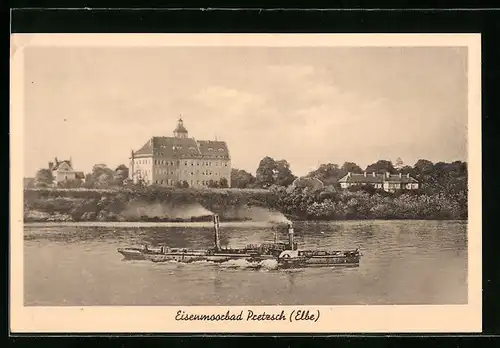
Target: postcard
point(245, 183)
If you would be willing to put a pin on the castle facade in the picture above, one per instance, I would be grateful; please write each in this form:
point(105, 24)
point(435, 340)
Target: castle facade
point(180, 160)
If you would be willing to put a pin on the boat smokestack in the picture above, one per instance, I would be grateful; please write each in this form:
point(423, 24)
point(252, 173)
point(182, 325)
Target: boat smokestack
point(216, 232)
point(290, 236)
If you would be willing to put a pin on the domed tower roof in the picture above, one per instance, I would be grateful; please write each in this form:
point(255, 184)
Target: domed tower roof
point(180, 130)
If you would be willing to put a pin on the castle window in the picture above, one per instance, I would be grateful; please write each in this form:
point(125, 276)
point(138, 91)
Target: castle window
point(185, 163)
point(225, 164)
point(210, 149)
point(221, 150)
point(191, 148)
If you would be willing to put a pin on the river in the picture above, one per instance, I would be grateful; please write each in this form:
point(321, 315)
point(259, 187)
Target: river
point(403, 262)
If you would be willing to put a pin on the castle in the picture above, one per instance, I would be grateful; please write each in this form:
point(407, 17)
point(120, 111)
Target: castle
point(177, 160)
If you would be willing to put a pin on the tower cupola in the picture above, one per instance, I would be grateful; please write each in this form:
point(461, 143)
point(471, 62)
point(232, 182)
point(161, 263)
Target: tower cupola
point(180, 131)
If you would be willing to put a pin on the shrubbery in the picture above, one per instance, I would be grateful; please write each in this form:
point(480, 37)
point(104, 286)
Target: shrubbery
point(331, 203)
point(302, 203)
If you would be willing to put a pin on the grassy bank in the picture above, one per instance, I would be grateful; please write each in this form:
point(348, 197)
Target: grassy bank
point(150, 204)
point(189, 204)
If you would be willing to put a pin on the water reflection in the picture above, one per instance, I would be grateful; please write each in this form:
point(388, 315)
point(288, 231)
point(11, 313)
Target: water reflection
point(403, 262)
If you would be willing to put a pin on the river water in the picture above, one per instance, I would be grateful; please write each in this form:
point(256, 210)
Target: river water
point(403, 262)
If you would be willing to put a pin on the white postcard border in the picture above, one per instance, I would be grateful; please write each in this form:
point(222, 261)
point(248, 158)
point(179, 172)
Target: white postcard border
point(333, 319)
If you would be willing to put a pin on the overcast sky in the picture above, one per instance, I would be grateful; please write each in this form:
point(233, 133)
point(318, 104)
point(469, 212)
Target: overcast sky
point(305, 105)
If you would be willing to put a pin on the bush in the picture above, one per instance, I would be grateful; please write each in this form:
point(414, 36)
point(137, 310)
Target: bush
point(302, 203)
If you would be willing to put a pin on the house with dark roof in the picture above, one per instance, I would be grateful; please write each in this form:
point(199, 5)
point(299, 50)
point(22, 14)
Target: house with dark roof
point(313, 183)
point(168, 161)
point(63, 171)
point(388, 182)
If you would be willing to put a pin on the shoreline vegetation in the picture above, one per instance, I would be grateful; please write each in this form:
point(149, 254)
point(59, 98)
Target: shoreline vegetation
point(272, 195)
point(276, 204)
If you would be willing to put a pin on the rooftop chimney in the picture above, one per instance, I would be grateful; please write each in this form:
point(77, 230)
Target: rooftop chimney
point(364, 174)
point(56, 161)
point(51, 165)
point(374, 174)
point(387, 175)
point(400, 175)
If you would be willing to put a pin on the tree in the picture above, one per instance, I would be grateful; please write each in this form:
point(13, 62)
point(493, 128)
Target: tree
point(102, 176)
point(407, 170)
point(265, 175)
point(328, 173)
point(351, 167)
point(399, 164)
point(44, 178)
point(241, 178)
point(423, 167)
point(70, 183)
point(121, 174)
point(223, 183)
point(381, 166)
point(185, 184)
point(89, 181)
point(283, 174)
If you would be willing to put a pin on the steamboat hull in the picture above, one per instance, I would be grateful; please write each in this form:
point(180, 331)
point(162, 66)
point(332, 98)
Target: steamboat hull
point(285, 254)
point(307, 258)
point(319, 262)
point(192, 256)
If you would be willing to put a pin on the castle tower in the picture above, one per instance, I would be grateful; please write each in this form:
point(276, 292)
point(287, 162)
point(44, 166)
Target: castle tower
point(180, 131)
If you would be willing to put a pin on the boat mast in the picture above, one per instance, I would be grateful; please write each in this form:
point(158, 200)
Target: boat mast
point(216, 233)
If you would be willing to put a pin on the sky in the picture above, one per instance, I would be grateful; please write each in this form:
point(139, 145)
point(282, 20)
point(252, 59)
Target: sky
point(308, 105)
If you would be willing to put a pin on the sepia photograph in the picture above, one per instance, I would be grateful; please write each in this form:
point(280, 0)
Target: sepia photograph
point(247, 179)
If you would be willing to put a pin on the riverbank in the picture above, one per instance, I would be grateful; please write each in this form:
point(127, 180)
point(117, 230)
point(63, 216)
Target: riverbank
point(128, 224)
point(171, 205)
point(164, 205)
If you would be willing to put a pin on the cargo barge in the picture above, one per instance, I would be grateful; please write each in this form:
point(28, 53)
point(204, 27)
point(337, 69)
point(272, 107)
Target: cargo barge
point(287, 255)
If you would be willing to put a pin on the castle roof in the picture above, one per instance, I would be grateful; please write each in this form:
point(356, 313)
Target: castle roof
point(370, 178)
point(174, 147)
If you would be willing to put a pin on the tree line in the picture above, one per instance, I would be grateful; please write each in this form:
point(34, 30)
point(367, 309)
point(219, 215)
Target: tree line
point(442, 194)
point(104, 177)
point(434, 177)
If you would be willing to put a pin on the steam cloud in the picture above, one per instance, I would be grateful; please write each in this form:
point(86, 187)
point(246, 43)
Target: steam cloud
point(165, 211)
point(263, 214)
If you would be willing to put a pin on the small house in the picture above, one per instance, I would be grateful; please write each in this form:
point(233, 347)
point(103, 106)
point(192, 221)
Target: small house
point(387, 181)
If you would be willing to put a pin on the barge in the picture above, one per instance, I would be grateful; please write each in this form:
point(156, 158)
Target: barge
point(287, 255)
